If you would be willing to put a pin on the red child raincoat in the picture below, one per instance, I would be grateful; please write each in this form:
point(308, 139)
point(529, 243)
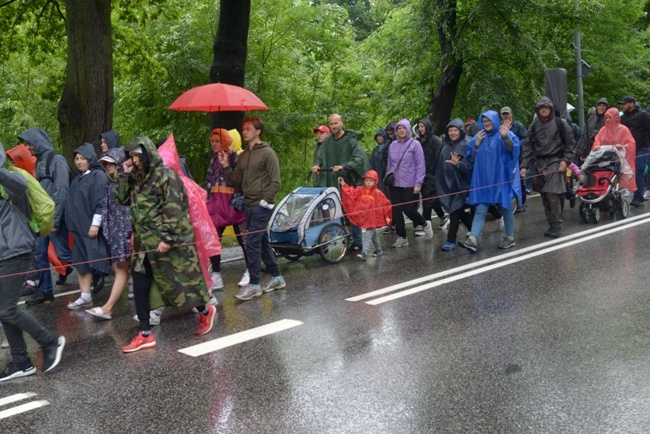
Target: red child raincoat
point(613, 133)
point(207, 240)
point(367, 208)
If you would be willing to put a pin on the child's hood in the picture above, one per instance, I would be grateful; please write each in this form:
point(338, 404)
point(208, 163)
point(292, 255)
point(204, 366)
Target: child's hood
point(372, 175)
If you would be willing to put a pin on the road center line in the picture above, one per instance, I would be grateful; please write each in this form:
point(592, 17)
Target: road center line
point(22, 408)
point(238, 338)
point(491, 260)
point(14, 398)
point(503, 263)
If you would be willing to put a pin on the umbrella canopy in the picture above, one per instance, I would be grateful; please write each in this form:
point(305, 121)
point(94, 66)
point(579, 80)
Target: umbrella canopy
point(217, 97)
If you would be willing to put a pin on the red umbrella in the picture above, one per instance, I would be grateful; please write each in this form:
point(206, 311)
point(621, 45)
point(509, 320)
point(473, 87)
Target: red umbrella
point(218, 97)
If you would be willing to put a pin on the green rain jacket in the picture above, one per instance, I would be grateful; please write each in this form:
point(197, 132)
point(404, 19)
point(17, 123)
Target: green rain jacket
point(159, 212)
point(346, 152)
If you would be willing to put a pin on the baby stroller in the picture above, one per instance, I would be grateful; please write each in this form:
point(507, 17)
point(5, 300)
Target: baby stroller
point(606, 173)
point(309, 221)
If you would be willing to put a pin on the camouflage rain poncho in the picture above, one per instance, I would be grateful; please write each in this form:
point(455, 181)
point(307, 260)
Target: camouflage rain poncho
point(159, 213)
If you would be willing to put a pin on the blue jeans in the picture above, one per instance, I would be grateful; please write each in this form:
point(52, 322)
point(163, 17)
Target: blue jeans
point(14, 320)
point(258, 244)
point(479, 220)
point(60, 241)
point(639, 166)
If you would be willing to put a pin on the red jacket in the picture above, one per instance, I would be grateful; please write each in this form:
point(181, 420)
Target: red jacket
point(366, 207)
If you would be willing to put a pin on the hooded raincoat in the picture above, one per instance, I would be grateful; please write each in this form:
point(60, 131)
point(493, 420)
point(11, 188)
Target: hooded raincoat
point(377, 161)
point(116, 218)
point(83, 207)
point(159, 212)
point(58, 182)
point(495, 171)
point(431, 146)
point(550, 147)
point(367, 208)
point(22, 158)
point(112, 139)
point(411, 170)
point(344, 151)
point(452, 182)
point(593, 125)
point(207, 240)
point(614, 133)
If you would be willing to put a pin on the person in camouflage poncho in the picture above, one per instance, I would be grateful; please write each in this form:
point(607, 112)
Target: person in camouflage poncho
point(165, 259)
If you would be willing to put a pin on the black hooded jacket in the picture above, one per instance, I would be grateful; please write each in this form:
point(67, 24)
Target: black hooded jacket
point(377, 162)
point(638, 122)
point(453, 182)
point(593, 125)
point(431, 145)
point(112, 139)
point(84, 202)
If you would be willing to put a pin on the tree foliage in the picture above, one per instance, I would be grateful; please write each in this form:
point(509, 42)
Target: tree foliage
point(371, 61)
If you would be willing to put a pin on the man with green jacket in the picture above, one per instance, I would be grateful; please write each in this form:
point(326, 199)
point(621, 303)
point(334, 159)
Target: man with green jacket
point(342, 153)
point(258, 175)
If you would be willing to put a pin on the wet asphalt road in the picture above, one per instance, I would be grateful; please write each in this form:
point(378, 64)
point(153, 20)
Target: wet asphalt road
point(551, 336)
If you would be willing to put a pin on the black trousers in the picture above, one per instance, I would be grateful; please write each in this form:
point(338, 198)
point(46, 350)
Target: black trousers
point(405, 202)
point(455, 218)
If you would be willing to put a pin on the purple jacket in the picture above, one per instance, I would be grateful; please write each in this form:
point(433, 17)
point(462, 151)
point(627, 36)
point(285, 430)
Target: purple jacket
point(410, 172)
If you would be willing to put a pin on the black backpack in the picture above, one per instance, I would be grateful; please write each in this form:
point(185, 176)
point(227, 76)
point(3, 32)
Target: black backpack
point(72, 172)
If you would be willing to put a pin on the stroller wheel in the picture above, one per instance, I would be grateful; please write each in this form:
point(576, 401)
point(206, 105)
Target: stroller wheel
point(334, 240)
point(584, 213)
point(625, 208)
point(595, 215)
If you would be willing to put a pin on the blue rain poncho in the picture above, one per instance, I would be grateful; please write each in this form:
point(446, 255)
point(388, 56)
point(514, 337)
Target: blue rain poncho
point(495, 172)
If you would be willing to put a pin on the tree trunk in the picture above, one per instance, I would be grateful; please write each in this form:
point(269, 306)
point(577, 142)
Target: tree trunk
point(86, 106)
point(451, 68)
point(229, 61)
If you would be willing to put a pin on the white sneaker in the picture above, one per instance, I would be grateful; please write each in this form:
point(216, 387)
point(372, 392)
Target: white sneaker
point(245, 279)
point(5, 343)
point(154, 317)
point(130, 284)
point(419, 231)
point(499, 224)
point(401, 242)
point(217, 281)
point(444, 223)
point(646, 195)
point(428, 230)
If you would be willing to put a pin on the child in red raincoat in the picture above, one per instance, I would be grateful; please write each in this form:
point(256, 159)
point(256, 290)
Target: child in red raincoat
point(368, 208)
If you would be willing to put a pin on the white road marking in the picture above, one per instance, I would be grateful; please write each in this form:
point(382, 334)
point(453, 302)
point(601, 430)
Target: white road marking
point(16, 397)
point(491, 260)
point(238, 338)
point(22, 408)
point(503, 264)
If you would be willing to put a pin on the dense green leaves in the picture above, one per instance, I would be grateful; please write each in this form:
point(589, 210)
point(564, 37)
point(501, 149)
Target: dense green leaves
point(371, 61)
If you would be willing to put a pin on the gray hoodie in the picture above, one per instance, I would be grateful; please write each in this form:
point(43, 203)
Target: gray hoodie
point(16, 237)
point(56, 185)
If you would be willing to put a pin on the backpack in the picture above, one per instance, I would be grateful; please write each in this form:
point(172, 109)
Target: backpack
point(72, 172)
point(40, 202)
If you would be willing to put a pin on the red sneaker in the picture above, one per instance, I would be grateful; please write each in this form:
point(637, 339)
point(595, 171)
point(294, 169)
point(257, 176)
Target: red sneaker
point(140, 342)
point(206, 321)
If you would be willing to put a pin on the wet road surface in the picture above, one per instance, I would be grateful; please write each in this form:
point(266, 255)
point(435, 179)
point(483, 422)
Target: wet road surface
point(550, 336)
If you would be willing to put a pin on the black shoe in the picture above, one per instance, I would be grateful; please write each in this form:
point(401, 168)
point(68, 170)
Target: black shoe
point(64, 278)
point(14, 371)
point(553, 232)
point(52, 354)
point(98, 284)
point(39, 298)
point(356, 248)
point(28, 289)
point(636, 201)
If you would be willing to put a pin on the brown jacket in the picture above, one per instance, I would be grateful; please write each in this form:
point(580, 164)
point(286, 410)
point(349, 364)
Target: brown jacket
point(257, 174)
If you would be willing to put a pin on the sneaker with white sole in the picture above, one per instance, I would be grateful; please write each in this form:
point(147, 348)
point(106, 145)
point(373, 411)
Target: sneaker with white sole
point(444, 223)
point(249, 291)
point(217, 281)
point(469, 243)
point(52, 354)
point(419, 231)
point(245, 279)
point(12, 371)
point(275, 283)
point(507, 243)
point(401, 242)
point(428, 230)
point(154, 317)
point(5, 343)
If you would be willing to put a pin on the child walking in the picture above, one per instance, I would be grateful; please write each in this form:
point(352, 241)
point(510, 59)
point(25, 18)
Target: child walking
point(368, 208)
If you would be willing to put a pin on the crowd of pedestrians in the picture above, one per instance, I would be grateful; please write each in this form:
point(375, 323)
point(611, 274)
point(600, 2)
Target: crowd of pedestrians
point(136, 213)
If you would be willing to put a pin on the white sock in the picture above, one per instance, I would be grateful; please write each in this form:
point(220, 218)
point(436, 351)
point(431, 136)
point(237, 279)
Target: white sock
point(85, 296)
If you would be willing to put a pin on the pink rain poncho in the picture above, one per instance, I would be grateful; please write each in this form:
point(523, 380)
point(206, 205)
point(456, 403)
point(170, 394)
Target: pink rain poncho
point(207, 240)
point(613, 133)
